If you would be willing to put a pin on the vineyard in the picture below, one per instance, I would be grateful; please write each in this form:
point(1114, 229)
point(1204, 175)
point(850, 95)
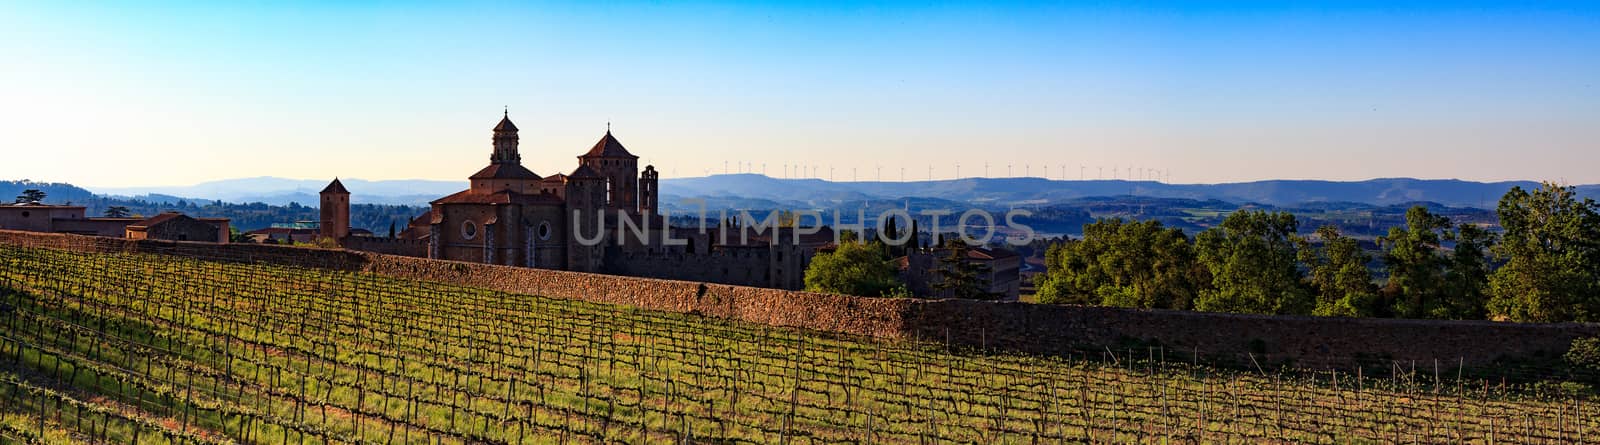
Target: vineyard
point(140, 348)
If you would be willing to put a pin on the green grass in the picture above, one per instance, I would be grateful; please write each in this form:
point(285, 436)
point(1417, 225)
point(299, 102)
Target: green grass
point(178, 350)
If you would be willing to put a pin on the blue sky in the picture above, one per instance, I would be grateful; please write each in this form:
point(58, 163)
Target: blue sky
point(129, 94)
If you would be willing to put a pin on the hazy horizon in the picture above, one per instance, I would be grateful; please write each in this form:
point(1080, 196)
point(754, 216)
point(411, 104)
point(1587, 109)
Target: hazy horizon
point(463, 181)
point(181, 93)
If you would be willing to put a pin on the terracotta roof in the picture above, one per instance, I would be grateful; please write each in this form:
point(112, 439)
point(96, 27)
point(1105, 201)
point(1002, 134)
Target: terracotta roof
point(158, 219)
point(421, 220)
point(989, 254)
point(282, 230)
point(335, 187)
point(555, 178)
point(418, 227)
point(505, 171)
point(500, 197)
point(608, 147)
point(505, 124)
point(584, 172)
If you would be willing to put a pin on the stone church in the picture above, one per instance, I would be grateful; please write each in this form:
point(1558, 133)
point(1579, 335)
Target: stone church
point(510, 215)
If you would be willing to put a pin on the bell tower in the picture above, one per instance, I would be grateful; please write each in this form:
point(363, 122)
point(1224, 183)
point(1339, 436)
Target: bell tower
point(648, 181)
point(505, 142)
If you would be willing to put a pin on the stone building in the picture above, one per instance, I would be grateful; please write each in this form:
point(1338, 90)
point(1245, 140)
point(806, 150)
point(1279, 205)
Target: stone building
point(1000, 271)
point(174, 226)
point(36, 217)
point(335, 211)
point(601, 216)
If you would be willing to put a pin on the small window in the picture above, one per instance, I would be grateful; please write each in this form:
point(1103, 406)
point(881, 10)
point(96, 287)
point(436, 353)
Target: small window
point(469, 230)
point(24, 213)
point(544, 230)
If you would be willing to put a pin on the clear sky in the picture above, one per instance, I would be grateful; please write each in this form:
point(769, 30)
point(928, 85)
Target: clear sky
point(134, 94)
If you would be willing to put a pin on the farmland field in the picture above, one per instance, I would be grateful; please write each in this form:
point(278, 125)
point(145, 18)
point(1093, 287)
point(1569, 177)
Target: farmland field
point(138, 348)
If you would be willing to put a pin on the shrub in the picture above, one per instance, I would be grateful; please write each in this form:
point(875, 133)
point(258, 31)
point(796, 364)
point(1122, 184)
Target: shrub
point(1584, 355)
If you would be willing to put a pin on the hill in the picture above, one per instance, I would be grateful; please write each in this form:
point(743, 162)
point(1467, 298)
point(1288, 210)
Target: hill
point(282, 191)
point(244, 216)
point(1005, 192)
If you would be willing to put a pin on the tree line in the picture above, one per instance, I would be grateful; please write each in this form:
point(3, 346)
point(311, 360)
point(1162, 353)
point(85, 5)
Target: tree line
point(1543, 265)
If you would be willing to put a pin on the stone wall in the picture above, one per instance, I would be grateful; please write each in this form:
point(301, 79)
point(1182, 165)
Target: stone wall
point(1239, 338)
point(391, 246)
point(744, 266)
point(1017, 327)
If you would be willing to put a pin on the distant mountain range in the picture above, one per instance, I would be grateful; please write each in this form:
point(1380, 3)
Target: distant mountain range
point(762, 192)
point(1010, 192)
point(282, 191)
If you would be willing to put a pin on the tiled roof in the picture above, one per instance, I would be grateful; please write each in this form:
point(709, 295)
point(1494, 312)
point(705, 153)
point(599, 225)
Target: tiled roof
point(280, 230)
point(335, 187)
point(422, 220)
point(505, 171)
point(584, 172)
point(500, 197)
point(608, 147)
point(505, 124)
point(989, 254)
point(158, 219)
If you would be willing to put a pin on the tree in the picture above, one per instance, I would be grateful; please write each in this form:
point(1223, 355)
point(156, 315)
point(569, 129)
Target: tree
point(1128, 264)
point(1339, 276)
point(852, 269)
point(1551, 249)
point(1416, 271)
point(31, 196)
point(1252, 258)
point(1466, 281)
point(116, 212)
point(916, 237)
point(391, 229)
point(962, 278)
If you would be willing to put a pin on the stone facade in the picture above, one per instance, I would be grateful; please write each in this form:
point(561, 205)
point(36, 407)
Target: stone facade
point(1000, 274)
point(112, 227)
point(1006, 326)
point(600, 217)
point(174, 226)
point(36, 217)
point(71, 219)
point(334, 211)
